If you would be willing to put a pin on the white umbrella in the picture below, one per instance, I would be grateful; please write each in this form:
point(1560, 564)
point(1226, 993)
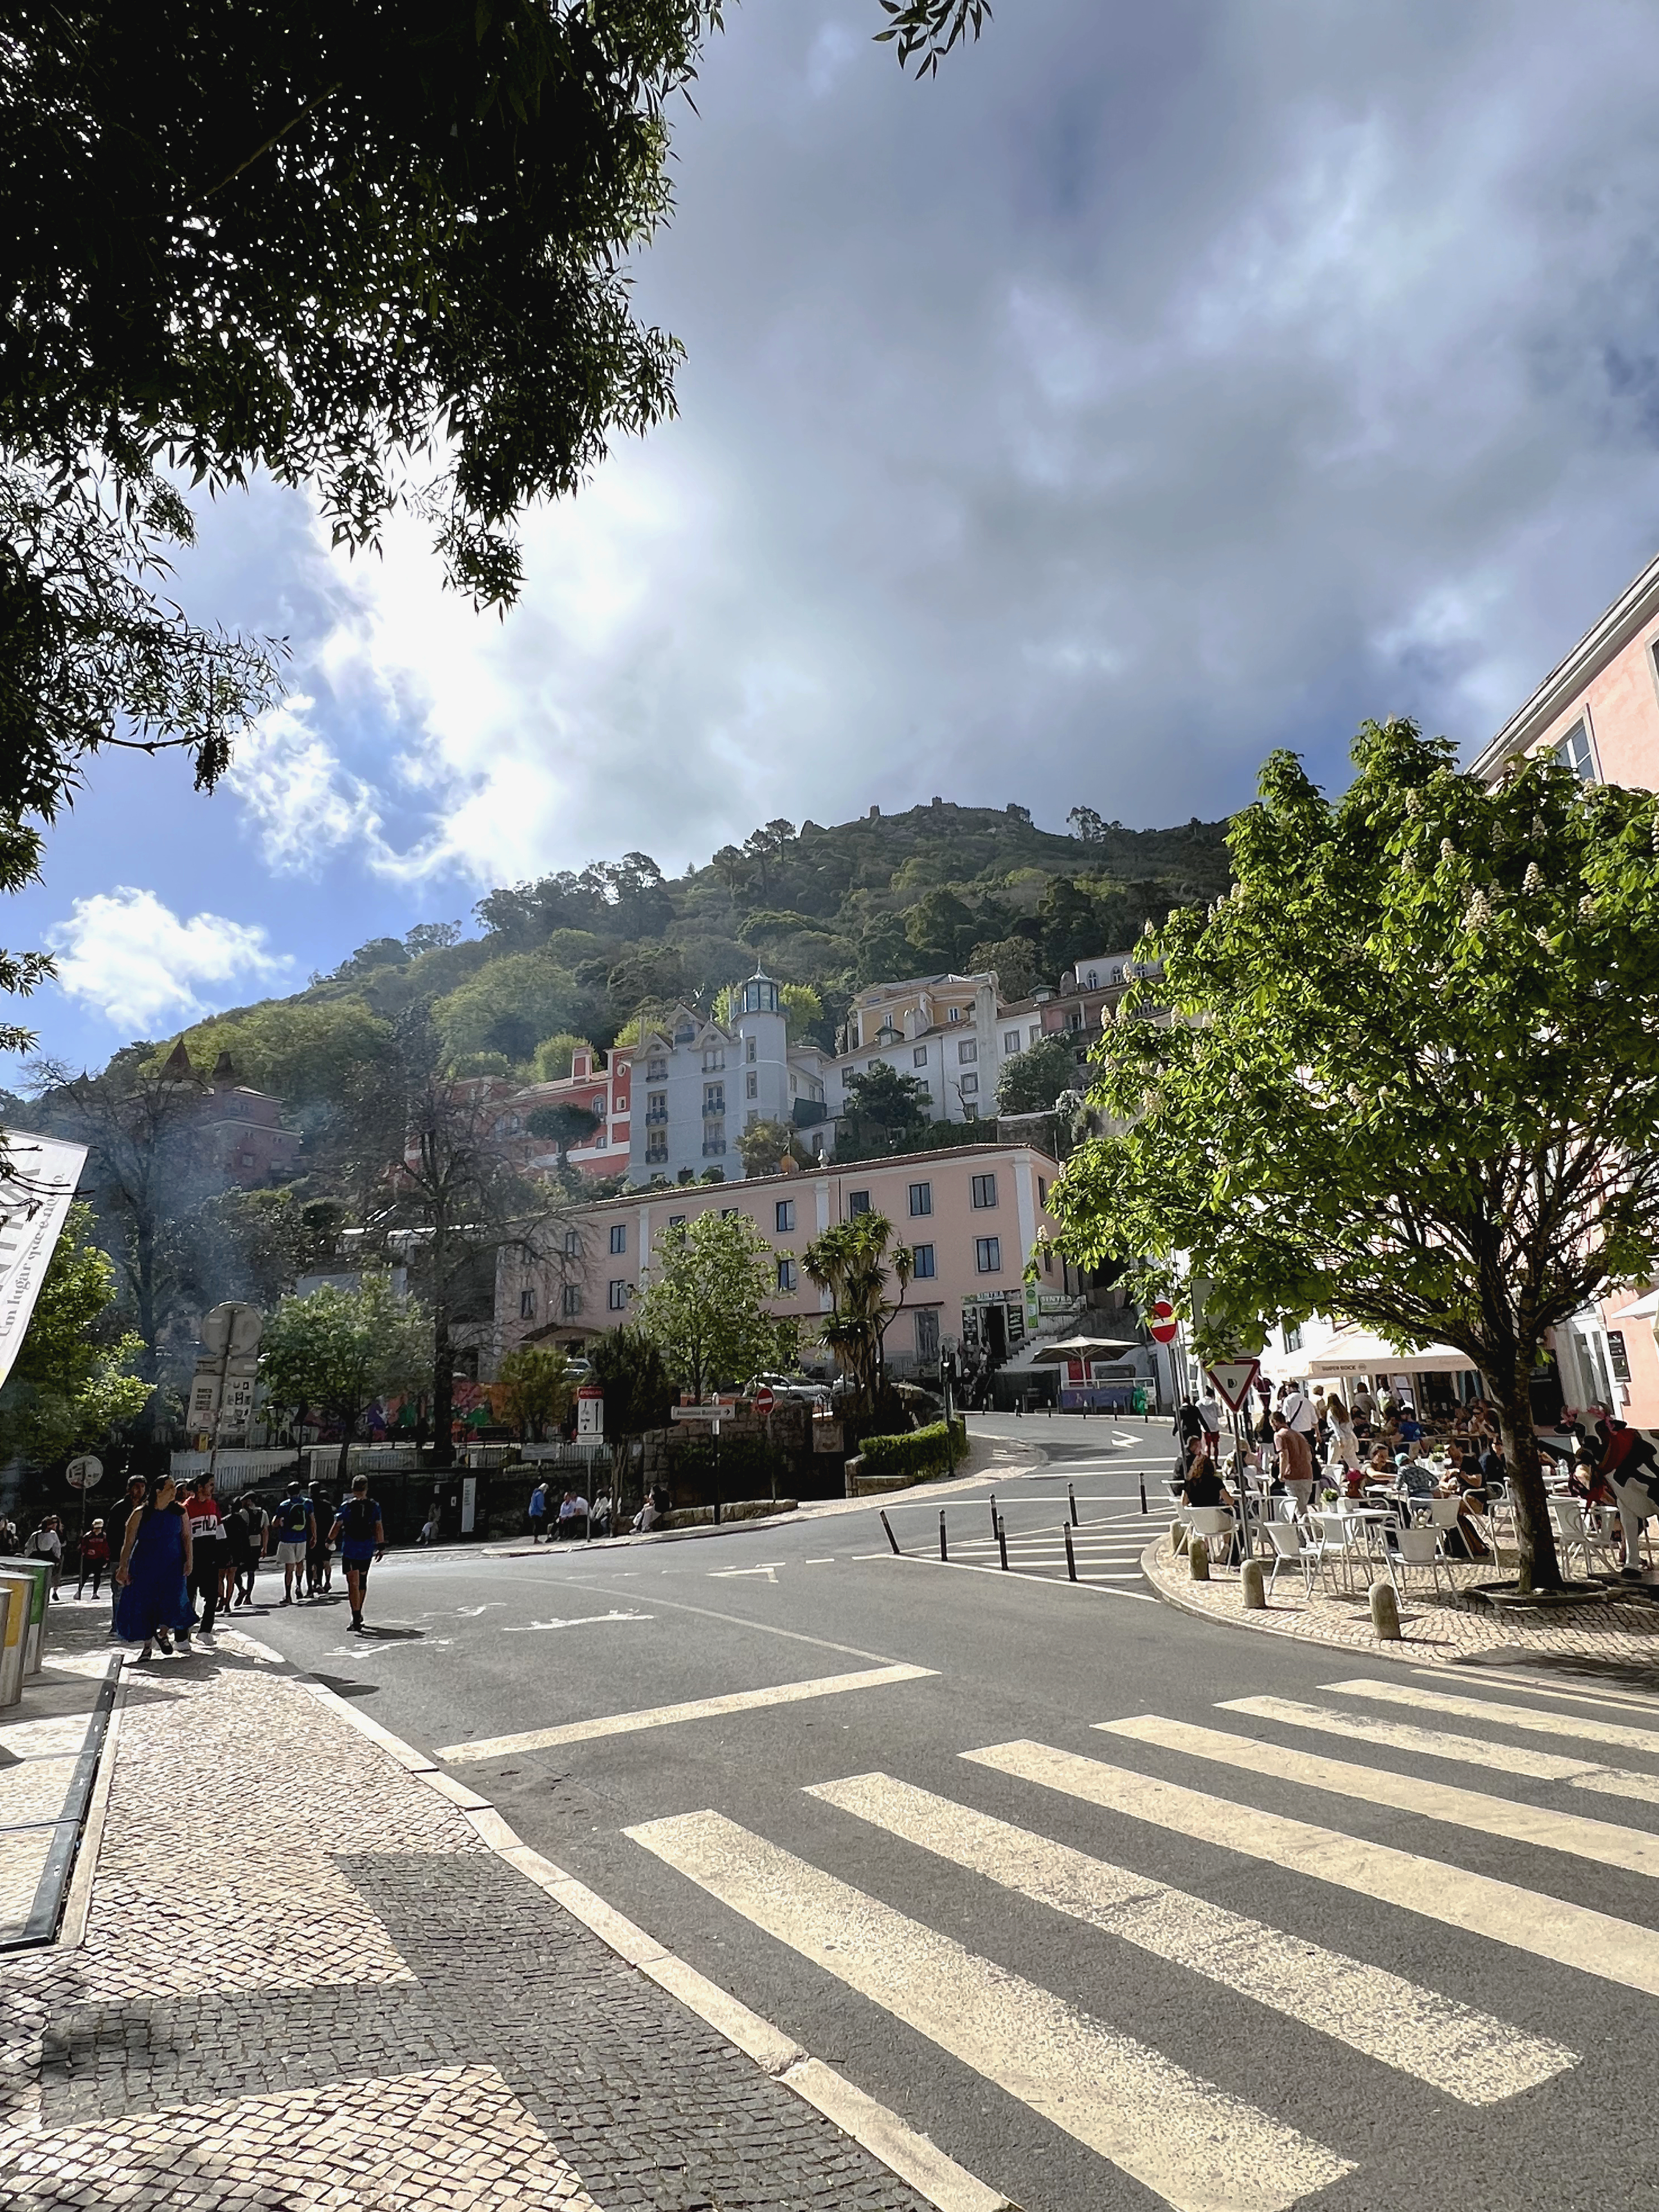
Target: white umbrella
point(1082, 1347)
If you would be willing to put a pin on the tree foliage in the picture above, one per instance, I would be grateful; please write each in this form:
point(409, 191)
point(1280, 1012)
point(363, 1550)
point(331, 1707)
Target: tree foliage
point(508, 1007)
point(73, 1380)
point(1409, 1075)
point(335, 1351)
point(630, 1370)
point(704, 1301)
point(1032, 1080)
point(763, 1146)
point(538, 1388)
point(858, 1262)
point(885, 1106)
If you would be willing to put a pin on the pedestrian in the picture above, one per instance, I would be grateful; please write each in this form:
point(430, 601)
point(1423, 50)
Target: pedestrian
point(120, 1521)
point(291, 1534)
point(573, 1508)
point(8, 1536)
point(48, 1543)
point(1188, 1423)
point(153, 1572)
point(1628, 1465)
point(1345, 1437)
point(94, 1558)
point(208, 1550)
point(240, 1551)
point(1299, 1413)
point(1209, 1411)
point(318, 1554)
point(1295, 1467)
point(361, 1533)
point(537, 1512)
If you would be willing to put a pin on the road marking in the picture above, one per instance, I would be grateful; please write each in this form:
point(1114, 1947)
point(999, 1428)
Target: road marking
point(1453, 2048)
point(1437, 1743)
point(1603, 1841)
point(1547, 1927)
point(1516, 1717)
point(1195, 2145)
point(1020, 1575)
point(819, 1562)
point(1630, 1701)
point(695, 1709)
point(733, 1574)
point(582, 1620)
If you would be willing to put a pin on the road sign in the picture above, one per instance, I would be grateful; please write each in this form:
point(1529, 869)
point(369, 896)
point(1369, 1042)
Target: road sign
point(765, 1398)
point(590, 1411)
point(232, 1328)
point(1233, 1378)
point(1162, 1325)
point(85, 1473)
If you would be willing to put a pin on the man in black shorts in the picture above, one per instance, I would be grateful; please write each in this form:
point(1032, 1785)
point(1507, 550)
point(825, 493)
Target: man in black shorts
point(362, 1536)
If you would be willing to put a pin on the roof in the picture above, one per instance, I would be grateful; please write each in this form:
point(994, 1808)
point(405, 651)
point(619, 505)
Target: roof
point(1602, 643)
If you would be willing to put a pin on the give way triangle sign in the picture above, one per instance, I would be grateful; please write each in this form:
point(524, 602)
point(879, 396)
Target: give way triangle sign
point(1232, 1379)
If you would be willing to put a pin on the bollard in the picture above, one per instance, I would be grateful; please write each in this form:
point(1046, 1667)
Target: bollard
point(1071, 1493)
point(1002, 1541)
point(1385, 1612)
point(993, 1513)
point(943, 1552)
point(1197, 1559)
point(1071, 1556)
point(1252, 1588)
point(1143, 1493)
point(888, 1526)
point(1178, 1538)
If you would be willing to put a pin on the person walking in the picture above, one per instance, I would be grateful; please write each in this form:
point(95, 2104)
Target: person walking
point(1628, 1466)
point(291, 1534)
point(537, 1512)
point(1298, 1411)
point(361, 1534)
point(240, 1551)
point(208, 1550)
point(1295, 1467)
point(317, 1547)
point(94, 1558)
point(153, 1572)
point(48, 1543)
point(120, 1521)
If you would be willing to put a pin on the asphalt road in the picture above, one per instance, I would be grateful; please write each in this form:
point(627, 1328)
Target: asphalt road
point(1168, 1967)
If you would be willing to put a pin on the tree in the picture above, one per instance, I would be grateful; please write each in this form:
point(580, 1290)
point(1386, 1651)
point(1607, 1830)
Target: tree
point(1032, 1080)
point(431, 936)
point(1090, 826)
point(303, 1051)
point(941, 927)
point(73, 1379)
point(732, 866)
point(536, 1385)
point(508, 1007)
point(1408, 1074)
point(764, 1144)
point(564, 1125)
point(336, 1353)
point(1012, 961)
point(854, 1262)
point(556, 1056)
point(884, 1105)
point(638, 1392)
point(704, 1299)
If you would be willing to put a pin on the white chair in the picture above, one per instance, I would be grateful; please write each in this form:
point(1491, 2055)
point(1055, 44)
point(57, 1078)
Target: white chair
point(1289, 1550)
point(1211, 1522)
point(1419, 1548)
point(1342, 1539)
point(1500, 1500)
point(1574, 1534)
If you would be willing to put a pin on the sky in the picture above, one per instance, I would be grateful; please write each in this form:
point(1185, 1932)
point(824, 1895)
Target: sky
point(1151, 388)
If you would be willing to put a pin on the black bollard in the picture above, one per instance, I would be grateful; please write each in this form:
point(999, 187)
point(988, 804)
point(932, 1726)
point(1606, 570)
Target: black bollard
point(1143, 1493)
point(1071, 1492)
point(888, 1526)
point(1002, 1541)
point(993, 1513)
point(1071, 1556)
point(943, 1552)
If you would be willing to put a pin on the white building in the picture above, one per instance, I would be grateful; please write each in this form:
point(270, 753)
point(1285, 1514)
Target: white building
point(699, 1083)
point(941, 1030)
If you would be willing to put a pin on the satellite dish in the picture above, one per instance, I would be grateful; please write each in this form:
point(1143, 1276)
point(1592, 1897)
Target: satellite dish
point(232, 1328)
point(85, 1473)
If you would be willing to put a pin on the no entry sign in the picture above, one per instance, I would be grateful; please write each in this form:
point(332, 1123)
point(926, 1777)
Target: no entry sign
point(1162, 1325)
point(765, 1398)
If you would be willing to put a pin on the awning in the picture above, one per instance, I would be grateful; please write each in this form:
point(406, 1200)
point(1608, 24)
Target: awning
point(1357, 1352)
point(1644, 1309)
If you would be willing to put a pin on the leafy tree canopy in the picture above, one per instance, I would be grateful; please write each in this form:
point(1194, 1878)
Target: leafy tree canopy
point(72, 1382)
point(704, 1302)
point(638, 1391)
point(335, 1351)
point(555, 1056)
point(538, 1388)
point(858, 1262)
point(1031, 1080)
point(1409, 1073)
point(508, 1007)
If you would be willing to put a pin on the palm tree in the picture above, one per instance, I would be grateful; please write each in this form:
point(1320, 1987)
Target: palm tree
point(853, 1263)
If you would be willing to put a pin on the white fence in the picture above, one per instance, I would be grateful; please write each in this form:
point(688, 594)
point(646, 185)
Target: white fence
point(235, 1470)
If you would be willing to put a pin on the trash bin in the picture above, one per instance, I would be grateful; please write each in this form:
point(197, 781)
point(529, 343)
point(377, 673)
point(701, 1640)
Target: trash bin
point(1140, 1398)
point(14, 1622)
point(38, 1574)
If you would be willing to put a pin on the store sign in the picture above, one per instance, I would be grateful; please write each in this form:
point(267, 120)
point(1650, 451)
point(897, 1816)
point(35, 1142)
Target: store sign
point(1618, 1355)
point(38, 1183)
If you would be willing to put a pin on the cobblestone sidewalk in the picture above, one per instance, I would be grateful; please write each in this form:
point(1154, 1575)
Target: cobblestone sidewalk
point(307, 1980)
point(1621, 1639)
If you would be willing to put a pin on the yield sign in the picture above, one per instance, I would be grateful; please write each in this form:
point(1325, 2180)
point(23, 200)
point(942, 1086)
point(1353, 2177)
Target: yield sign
point(1232, 1379)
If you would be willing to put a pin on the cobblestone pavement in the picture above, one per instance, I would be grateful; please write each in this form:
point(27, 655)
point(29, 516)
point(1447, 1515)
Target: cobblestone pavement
point(1617, 1637)
point(306, 1981)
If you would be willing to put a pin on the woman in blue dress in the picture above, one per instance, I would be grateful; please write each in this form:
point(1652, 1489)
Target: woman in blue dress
point(154, 1569)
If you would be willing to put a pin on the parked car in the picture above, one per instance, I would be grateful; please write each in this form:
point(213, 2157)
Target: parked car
point(800, 1387)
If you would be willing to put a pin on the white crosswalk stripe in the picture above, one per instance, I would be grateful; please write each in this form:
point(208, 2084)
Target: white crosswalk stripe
point(1465, 2053)
point(1197, 2147)
point(1589, 1730)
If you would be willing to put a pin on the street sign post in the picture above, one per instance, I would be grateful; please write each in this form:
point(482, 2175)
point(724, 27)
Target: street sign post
point(590, 1411)
point(765, 1398)
point(230, 1334)
point(1233, 1379)
point(85, 1473)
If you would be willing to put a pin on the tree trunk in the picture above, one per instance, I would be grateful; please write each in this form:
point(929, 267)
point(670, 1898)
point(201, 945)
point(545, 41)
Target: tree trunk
point(343, 1465)
point(1539, 1568)
point(443, 1391)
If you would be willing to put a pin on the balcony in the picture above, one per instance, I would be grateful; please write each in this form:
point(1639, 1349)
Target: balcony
point(657, 1121)
point(714, 1148)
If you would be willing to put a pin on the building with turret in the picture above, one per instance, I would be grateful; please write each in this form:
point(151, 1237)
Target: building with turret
point(699, 1083)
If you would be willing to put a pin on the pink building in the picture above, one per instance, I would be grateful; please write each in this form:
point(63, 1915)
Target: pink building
point(1599, 711)
point(971, 1214)
point(600, 1084)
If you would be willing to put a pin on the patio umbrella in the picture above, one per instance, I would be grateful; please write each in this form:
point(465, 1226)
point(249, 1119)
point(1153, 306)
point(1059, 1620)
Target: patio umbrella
point(1082, 1347)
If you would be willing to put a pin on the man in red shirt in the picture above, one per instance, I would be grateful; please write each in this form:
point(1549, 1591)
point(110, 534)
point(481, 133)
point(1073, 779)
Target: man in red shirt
point(207, 1548)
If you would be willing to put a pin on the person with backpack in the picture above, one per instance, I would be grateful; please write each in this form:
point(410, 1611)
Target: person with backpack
point(361, 1534)
point(292, 1532)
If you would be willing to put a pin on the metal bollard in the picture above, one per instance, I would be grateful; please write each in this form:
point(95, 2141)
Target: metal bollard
point(888, 1526)
point(1143, 1493)
point(1198, 1561)
point(1385, 1612)
point(1252, 1589)
point(1071, 1493)
point(993, 1513)
point(1002, 1541)
point(943, 1552)
point(1071, 1556)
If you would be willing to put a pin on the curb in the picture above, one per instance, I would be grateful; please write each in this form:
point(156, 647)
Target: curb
point(900, 2147)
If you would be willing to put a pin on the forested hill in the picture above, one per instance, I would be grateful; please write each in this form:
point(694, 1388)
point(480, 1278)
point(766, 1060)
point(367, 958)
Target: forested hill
point(578, 954)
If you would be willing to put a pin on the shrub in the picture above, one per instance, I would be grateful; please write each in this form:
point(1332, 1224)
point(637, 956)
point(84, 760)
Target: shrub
point(923, 1452)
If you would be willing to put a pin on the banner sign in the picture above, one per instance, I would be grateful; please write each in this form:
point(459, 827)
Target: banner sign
point(36, 1186)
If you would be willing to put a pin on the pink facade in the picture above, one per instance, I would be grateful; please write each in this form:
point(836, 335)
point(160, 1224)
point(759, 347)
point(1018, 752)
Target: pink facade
point(971, 1213)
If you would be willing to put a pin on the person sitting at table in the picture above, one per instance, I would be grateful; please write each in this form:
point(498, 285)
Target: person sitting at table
point(1202, 1484)
point(1466, 1483)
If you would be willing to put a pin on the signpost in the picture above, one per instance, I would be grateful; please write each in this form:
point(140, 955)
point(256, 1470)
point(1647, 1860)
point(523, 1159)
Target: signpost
point(590, 1411)
point(83, 1474)
point(1233, 1380)
point(765, 1398)
point(1162, 1325)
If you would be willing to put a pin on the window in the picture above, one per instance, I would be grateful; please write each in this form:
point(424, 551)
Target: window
point(597, 1103)
point(1293, 1339)
point(752, 1117)
point(786, 1274)
point(713, 1058)
point(619, 1235)
point(713, 1099)
point(752, 1086)
point(728, 1213)
point(656, 1070)
point(1093, 983)
point(677, 1221)
point(1035, 1032)
point(1011, 1040)
point(572, 1243)
point(858, 1202)
point(750, 1050)
point(967, 1052)
point(985, 1190)
point(1048, 1257)
point(785, 1216)
point(526, 1305)
point(1042, 1190)
point(618, 1296)
point(988, 1254)
point(572, 1300)
point(1074, 1019)
point(714, 1148)
point(656, 1106)
point(969, 1085)
point(921, 1257)
point(656, 1144)
point(919, 1057)
point(953, 1013)
point(1574, 752)
point(922, 1198)
point(246, 1160)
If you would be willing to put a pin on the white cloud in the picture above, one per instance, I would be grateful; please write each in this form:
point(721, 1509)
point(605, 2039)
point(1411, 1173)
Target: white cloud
point(125, 955)
point(300, 801)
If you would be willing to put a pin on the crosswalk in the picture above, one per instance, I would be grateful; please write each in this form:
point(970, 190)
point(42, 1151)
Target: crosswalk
point(1209, 2138)
point(1105, 1551)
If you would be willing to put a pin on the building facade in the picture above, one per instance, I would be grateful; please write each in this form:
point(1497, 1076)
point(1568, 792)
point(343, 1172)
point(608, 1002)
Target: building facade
point(701, 1083)
point(602, 1084)
point(971, 1214)
point(941, 1030)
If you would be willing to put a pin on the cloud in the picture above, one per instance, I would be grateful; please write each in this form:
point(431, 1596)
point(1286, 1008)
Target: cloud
point(298, 800)
point(125, 955)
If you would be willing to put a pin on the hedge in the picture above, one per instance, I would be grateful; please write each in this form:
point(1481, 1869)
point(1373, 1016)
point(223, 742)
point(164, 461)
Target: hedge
point(923, 1452)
